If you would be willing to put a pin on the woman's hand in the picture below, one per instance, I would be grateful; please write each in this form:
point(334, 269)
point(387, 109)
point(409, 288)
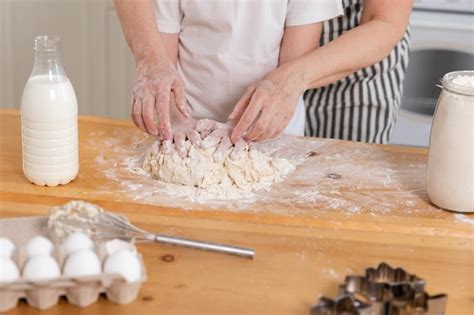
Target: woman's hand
point(156, 78)
point(214, 133)
point(203, 134)
point(267, 106)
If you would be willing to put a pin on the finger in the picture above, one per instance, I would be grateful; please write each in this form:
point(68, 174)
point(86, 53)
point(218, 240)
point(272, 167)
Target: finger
point(239, 148)
point(179, 141)
point(149, 115)
point(163, 109)
point(205, 127)
point(166, 146)
point(222, 149)
point(242, 103)
point(137, 114)
point(214, 138)
point(155, 147)
point(260, 128)
point(194, 137)
point(179, 96)
point(249, 116)
point(253, 152)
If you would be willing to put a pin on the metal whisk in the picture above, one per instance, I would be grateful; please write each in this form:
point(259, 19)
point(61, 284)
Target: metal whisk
point(80, 216)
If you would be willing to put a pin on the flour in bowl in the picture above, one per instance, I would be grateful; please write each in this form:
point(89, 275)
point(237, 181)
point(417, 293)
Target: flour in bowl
point(464, 80)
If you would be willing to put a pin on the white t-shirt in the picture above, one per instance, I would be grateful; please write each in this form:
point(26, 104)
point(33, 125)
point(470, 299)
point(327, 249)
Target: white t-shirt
point(225, 45)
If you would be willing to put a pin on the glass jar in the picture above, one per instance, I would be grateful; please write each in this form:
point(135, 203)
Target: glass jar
point(49, 119)
point(450, 169)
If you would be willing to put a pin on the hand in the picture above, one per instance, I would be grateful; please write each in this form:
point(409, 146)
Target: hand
point(267, 106)
point(182, 129)
point(156, 78)
point(218, 134)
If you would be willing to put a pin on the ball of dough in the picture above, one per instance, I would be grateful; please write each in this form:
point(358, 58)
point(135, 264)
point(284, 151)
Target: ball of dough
point(249, 172)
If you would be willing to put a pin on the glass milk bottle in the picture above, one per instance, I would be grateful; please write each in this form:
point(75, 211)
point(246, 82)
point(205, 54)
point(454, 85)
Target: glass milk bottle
point(450, 171)
point(49, 119)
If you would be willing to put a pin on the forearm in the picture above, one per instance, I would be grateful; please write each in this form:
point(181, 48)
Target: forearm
point(329, 79)
point(298, 41)
point(138, 21)
point(358, 48)
point(354, 50)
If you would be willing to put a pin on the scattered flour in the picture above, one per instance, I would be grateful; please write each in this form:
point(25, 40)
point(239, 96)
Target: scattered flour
point(224, 178)
point(464, 218)
point(331, 272)
point(330, 177)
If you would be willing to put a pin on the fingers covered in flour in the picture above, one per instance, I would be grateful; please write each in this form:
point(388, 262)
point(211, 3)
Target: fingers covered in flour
point(253, 152)
point(180, 143)
point(194, 138)
point(239, 147)
point(167, 147)
point(222, 149)
point(155, 147)
point(215, 138)
point(205, 127)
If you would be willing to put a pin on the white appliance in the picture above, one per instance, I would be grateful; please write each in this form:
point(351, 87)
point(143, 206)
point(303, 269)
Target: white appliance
point(442, 38)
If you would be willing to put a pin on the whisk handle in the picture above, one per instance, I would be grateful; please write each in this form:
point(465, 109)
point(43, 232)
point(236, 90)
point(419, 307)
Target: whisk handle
point(212, 247)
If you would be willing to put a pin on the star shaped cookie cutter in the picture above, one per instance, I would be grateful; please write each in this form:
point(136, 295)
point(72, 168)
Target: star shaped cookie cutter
point(382, 291)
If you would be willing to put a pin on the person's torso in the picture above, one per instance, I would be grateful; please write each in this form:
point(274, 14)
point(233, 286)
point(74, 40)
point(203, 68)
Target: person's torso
point(225, 46)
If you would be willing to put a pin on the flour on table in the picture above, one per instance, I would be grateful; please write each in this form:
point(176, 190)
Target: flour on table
point(225, 178)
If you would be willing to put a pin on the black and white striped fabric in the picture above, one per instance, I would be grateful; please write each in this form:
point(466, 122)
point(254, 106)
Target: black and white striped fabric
point(364, 105)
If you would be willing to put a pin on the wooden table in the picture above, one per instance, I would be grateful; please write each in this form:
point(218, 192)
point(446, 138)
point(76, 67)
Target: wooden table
point(300, 255)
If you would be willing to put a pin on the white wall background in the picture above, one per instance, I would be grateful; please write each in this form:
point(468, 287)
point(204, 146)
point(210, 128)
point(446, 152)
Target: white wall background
point(94, 51)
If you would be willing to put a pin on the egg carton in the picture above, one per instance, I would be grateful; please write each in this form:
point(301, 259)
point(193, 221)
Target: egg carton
point(81, 291)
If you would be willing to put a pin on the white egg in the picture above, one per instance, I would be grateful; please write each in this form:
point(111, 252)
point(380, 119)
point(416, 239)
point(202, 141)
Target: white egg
point(125, 263)
point(8, 270)
point(83, 263)
point(40, 268)
point(39, 246)
point(118, 244)
point(6, 247)
point(77, 241)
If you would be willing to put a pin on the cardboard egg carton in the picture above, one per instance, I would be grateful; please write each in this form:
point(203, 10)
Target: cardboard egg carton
point(81, 292)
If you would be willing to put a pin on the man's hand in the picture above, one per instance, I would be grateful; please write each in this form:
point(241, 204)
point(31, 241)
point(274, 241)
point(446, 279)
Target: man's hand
point(182, 129)
point(267, 106)
point(156, 78)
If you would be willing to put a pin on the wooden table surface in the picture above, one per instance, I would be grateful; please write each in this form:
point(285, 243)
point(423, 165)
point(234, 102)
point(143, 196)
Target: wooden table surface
point(300, 255)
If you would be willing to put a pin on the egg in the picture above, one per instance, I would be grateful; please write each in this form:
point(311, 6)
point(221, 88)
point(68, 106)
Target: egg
point(41, 268)
point(77, 241)
point(83, 263)
point(39, 246)
point(8, 270)
point(6, 247)
point(125, 263)
point(118, 244)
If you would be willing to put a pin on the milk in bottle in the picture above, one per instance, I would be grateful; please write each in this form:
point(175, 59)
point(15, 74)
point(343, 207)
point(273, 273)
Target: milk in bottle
point(49, 119)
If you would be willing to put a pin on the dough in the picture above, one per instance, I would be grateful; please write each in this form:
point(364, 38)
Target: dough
point(226, 178)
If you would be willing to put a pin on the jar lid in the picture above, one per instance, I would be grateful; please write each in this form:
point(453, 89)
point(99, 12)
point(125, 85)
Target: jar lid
point(460, 82)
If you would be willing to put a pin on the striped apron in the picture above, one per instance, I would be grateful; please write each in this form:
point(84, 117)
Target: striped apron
point(364, 105)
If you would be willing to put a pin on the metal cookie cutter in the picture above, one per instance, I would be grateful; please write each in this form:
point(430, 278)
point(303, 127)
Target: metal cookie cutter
point(382, 291)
